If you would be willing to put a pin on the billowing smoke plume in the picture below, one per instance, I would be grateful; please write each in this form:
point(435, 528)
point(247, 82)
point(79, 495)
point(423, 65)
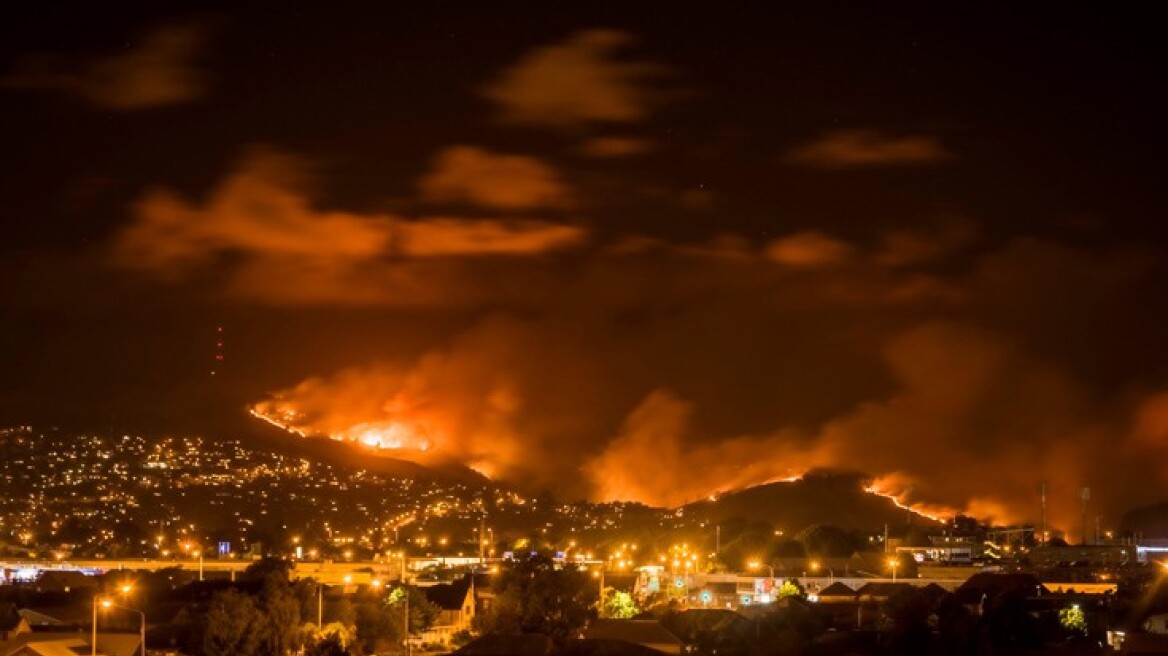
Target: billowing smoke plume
point(657, 392)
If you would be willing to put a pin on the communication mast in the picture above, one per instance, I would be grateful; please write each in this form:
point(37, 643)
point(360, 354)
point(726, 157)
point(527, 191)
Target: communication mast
point(217, 364)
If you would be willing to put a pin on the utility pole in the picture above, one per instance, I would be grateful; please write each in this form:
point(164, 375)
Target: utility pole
point(601, 590)
point(482, 537)
point(409, 648)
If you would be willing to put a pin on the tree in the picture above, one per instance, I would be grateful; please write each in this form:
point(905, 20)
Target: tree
point(1072, 618)
point(423, 612)
point(790, 588)
point(281, 611)
point(619, 605)
point(748, 545)
point(340, 610)
point(265, 567)
point(786, 548)
point(532, 596)
point(332, 639)
point(375, 623)
point(233, 626)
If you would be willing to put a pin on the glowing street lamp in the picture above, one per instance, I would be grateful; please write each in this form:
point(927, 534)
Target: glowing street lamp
point(830, 573)
point(754, 564)
point(106, 603)
point(893, 563)
point(599, 576)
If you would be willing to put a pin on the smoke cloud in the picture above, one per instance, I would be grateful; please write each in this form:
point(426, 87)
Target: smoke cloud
point(158, 70)
point(665, 374)
point(577, 82)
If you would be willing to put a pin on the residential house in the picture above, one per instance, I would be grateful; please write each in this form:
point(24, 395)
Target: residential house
point(647, 633)
point(12, 623)
point(456, 606)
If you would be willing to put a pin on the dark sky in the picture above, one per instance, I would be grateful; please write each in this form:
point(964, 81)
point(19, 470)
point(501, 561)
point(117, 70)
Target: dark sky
point(622, 250)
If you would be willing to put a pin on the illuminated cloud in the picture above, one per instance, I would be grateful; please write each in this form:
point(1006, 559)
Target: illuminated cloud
point(466, 174)
point(615, 147)
point(258, 210)
point(923, 246)
point(843, 149)
point(809, 249)
point(577, 82)
point(156, 71)
point(260, 233)
point(436, 237)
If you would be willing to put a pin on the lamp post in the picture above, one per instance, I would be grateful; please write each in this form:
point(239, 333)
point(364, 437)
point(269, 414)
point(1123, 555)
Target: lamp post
point(406, 599)
point(93, 643)
point(199, 554)
point(893, 563)
point(599, 575)
point(104, 602)
point(142, 626)
point(756, 565)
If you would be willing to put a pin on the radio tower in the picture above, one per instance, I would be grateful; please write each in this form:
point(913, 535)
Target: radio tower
point(218, 362)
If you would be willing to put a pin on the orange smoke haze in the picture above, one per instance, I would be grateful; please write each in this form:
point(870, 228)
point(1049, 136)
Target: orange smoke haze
point(972, 427)
point(598, 356)
point(660, 372)
point(258, 230)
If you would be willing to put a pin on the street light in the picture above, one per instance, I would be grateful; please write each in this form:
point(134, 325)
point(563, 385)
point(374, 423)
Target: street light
point(893, 563)
point(830, 573)
point(754, 564)
point(106, 603)
point(599, 575)
point(406, 600)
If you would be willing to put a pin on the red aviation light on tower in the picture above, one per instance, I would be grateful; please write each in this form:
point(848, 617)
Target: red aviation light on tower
point(219, 358)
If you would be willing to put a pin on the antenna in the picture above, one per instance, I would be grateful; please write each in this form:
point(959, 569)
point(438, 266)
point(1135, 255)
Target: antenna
point(219, 354)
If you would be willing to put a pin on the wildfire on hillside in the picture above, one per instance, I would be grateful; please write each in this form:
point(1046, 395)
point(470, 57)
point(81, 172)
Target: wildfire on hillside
point(416, 441)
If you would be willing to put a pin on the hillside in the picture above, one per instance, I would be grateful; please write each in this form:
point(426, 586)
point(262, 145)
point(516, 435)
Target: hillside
point(818, 498)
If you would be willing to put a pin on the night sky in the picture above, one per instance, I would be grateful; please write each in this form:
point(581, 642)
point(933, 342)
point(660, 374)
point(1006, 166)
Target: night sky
point(637, 251)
